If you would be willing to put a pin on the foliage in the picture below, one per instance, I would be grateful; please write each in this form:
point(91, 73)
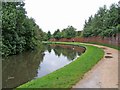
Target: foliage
point(68, 32)
point(78, 34)
point(103, 23)
point(19, 33)
point(57, 34)
point(49, 35)
point(45, 37)
point(70, 74)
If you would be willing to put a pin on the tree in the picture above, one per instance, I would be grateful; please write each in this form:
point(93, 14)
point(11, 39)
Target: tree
point(103, 23)
point(12, 27)
point(69, 32)
point(57, 34)
point(19, 33)
point(49, 35)
point(78, 33)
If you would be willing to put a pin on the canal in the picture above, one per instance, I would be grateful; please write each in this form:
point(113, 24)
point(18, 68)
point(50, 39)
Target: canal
point(19, 69)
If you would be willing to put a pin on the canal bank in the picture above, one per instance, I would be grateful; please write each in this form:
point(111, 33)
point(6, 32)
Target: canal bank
point(69, 75)
point(27, 66)
point(104, 74)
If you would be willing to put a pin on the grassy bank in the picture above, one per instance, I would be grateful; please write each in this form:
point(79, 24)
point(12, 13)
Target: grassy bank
point(108, 45)
point(69, 75)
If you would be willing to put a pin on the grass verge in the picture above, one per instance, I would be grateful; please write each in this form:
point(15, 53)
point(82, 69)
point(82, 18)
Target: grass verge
point(69, 75)
point(111, 46)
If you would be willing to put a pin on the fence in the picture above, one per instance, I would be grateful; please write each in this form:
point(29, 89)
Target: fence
point(106, 40)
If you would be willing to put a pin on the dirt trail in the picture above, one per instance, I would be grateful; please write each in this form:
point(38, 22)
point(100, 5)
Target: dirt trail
point(104, 74)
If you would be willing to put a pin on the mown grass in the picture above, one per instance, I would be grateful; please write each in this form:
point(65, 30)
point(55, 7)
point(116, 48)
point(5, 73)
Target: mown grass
point(69, 75)
point(108, 45)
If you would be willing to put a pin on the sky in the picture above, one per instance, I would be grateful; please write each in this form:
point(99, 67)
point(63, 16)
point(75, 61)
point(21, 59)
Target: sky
point(51, 15)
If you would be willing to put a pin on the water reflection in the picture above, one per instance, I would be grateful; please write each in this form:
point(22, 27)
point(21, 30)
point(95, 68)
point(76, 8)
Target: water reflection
point(22, 68)
point(67, 50)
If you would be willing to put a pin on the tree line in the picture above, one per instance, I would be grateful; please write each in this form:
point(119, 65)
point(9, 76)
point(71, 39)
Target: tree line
point(19, 32)
point(68, 32)
point(105, 23)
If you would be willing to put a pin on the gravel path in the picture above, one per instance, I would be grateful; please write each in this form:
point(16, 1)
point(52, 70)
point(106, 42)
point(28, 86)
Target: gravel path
point(104, 74)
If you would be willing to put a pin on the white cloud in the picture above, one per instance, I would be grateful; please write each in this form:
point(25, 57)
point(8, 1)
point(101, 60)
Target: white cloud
point(54, 14)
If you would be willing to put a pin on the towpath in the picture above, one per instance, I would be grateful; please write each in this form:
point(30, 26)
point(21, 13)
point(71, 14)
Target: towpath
point(104, 74)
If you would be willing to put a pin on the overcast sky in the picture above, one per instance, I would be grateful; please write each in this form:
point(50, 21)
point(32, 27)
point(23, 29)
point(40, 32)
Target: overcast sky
point(53, 14)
